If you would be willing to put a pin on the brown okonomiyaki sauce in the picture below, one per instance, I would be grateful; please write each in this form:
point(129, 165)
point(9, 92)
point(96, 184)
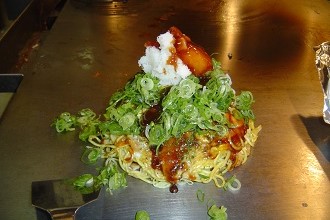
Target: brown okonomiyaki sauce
point(168, 157)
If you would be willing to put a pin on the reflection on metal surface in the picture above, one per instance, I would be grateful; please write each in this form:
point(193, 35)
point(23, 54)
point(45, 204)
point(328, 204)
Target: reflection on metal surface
point(272, 54)
point(315, 171)
point(59, 198)
point(231, 27)
point(314, 174)
point(258, 25)
point(315, 180)
point(85, 57)
point(108, 7)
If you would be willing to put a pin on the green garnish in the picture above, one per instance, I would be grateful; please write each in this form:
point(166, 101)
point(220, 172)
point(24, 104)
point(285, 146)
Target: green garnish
point(84, 183)
point(200, 195)
point(65, 122)
point(233, 184)
point(213, 211)
point(217, 213)
point(142, 215)
point(109, 176)
point(91, 155)
point(188, 106)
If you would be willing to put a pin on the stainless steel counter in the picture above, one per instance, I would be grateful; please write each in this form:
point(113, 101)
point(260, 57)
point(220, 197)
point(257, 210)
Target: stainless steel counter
point(92, 51)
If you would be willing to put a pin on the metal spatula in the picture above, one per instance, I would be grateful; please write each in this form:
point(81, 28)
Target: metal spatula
point(59, 198)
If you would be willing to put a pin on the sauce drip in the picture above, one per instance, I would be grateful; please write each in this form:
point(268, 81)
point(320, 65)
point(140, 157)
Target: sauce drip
point(152, 114)
point(155, 161)
point(151, 44)
point(172, 60)
point(169, 157)
point(203, 80)
point(174, 188)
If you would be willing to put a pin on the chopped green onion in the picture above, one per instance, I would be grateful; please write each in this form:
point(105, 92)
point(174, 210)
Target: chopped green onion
point(187, 88)
point(142, 215)
point(210, 202)
point(217, 213)
point(187, 106)
point(233, 184)
point(117, 181)
point(65, 122)
point(127, 120)
point(91, 155)
point(87, 130)
point(85, 116)
point(157, 135)
point(244, 100)
point(147, 83)
point(84, 183)
point(200, 195)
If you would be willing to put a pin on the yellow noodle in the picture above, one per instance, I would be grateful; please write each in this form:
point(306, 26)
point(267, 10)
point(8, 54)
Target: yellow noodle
point(134, 157)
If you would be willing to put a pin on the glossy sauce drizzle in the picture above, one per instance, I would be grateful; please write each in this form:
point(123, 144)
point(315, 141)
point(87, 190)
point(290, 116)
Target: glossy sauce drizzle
point(169, 158)
point(170, 155)
point(152, 114)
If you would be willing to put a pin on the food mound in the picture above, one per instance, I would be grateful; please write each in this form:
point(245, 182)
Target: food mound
point(178, 121)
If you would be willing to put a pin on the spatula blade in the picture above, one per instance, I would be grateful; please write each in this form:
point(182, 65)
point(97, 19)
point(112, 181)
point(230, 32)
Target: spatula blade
point(52, 195)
